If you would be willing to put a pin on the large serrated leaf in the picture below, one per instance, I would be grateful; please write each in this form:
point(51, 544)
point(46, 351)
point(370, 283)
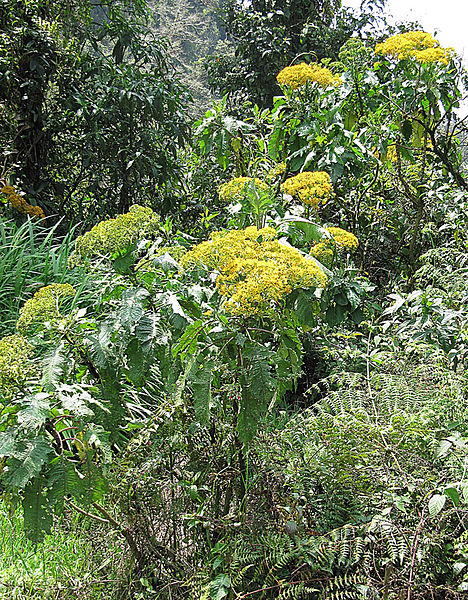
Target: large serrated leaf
point(100, 345)
point(34, 411)
point(148, 330)
point(132, 306)
point(258, 388)
point(63, 481)
point(26, 462)
point(7, 442)
point(36, 510)
point(188, 341)
point(53, 366)
point(201, 376)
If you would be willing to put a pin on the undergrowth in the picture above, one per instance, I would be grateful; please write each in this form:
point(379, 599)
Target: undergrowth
point(80, 560)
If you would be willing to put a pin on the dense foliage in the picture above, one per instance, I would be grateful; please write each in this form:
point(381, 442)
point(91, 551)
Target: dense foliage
point(76, 77)
point(261, 389)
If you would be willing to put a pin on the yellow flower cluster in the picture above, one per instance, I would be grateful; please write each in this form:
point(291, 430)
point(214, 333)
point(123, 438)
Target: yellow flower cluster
point(15, 365)
point(324, 253)
point(116, 234)
point(299, 75)
point(276, 171)
point(43, 306)
point(343, 239)
point(20, 204)
point(236, 189)
point(415, 44)
point(255, 269)
point(312, 188)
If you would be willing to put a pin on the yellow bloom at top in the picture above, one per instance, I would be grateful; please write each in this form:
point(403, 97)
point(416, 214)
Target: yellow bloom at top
point(415, 44)
point(237, 188)
point(298, 75)
point(255, 270)
point(343, 239)
point(311, 187)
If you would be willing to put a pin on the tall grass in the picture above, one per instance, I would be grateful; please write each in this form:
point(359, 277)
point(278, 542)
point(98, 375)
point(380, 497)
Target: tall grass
point(31, 255)
point(81, 560)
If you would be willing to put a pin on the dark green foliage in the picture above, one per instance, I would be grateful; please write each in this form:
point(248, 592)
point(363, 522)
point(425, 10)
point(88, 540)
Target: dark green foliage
point(269, 35)
point(70, 90)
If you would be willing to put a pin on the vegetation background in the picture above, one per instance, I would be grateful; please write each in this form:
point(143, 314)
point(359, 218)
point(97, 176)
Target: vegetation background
point(233, 286)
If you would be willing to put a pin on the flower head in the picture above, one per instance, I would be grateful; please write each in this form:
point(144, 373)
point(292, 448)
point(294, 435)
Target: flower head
point(15, 365)
point(237, 189)
point(298, 75)
point(19, 203)
point(343, 239)
point(43, 306)
point(415, 44)
point(324, 253)
point(276, 171)
point(114, 235)
point(256, 271)
point(312, 188)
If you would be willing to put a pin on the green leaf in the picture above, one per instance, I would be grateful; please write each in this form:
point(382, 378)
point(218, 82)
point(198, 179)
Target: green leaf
point(453, 494)
point(407, 129)
point(76, 400)
point(7, 442)
point(53, 366)
point(132, 306)
point(62, 481)
point(26, 462)
point(94, 485)
point(125, 261)
point(137, 363)
point(258, 388)
point(36, 510)
point(201, 376)
point(166, 262)
point(306, 307)
point(188, 341)
point(100, 345)
point(436, 504)
point(34, 411)
point(149, 331)
point(219, 587)
point(310, 230)
point(335, 314)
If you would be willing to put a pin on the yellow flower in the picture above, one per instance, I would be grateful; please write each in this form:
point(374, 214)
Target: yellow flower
point(276, 171)
point(299, 75)
point(415, 44)
point(344, 240)
point(237, 188)
point(15, 364)
point(19, 203)
point(312, 188)
point(114, 235)
point(324, 253)
point(43, 306)
point(255, 270)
